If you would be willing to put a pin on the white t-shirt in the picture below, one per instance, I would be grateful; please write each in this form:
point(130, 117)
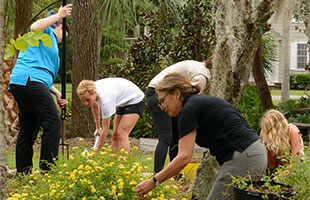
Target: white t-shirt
point(116, 92)
point(196, 71)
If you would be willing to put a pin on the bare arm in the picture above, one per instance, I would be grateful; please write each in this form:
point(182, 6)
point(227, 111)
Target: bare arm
point(295, 139)
point(61, 102)
point(104, 132)
point(105, 125)
point(186, 148)
point(44, 23)
point(96, 114)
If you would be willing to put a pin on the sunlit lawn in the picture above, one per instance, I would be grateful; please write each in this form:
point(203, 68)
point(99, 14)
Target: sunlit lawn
point(292, 92)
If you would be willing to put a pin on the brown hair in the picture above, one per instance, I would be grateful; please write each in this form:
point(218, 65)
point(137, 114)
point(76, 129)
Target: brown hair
point(86, 86)
point(67, 25)
point(175, 80)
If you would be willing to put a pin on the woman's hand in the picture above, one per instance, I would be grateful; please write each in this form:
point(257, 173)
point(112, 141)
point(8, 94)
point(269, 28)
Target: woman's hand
point(65, 11)
point(145, 186)
point(97, 132)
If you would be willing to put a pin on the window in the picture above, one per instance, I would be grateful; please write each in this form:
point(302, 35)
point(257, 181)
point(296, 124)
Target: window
point(301, 56)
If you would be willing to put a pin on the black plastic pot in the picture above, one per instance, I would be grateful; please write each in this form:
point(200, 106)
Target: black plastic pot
point(249, 195)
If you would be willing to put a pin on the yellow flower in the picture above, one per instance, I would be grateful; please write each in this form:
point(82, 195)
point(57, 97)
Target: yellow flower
point(74, 147)
point(183, 199)
point(84, 198)
point(35, 178)
point(167, 187)
point(150, 193)
point(71, 157)
point(149, 158)
point(81, 139)
point(122, 150)
point(102, 198)
point(119, 194)
point(93, 189)
point(52, 192)
point(65, 165)
point(133, 189)
point(135, 147)
point(17, 196)
point(133, 183)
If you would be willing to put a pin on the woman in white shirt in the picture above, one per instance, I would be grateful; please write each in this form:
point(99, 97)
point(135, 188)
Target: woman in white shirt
point(113, 96)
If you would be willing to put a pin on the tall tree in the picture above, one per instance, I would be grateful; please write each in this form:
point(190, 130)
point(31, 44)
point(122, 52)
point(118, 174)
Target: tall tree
point(86, 41)
point(237, 25)
point(23, 15)
point(302, 13)
point(286, 12)
point(237, 34)
point(260, 80)
point(3, 166)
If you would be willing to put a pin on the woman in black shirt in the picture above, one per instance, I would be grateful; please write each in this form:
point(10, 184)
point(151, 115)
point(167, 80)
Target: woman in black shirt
point(212, 123)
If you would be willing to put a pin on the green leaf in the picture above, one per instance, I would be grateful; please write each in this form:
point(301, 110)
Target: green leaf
point(21, 44)
point(47, 41)
point(9, 51)
point(29, 38)
point(12, 41)
point(37, 34)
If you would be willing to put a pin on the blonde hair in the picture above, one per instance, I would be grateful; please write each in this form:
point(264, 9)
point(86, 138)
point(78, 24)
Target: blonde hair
point(274, 131)
point(175, 80)
point(86, 86)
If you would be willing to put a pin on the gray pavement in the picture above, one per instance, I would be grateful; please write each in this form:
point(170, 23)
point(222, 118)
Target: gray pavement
point(291, 97)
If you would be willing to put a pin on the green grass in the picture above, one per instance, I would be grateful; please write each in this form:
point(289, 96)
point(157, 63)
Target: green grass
point(68, 89)
point(292, 92)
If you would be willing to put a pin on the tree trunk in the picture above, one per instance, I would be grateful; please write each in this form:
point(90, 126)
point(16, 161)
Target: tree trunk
point(23, 15)
point(285, 83)
point(307, 32)
point(237, 24)
point(206, 175)
point(86, 41)
point(260, 80)
point(3, 166)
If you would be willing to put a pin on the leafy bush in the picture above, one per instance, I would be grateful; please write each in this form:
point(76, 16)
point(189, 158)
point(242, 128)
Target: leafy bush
point(296, 174)
point(300, 81)
point(103, 175)
point(251, 108)
point(286, 109)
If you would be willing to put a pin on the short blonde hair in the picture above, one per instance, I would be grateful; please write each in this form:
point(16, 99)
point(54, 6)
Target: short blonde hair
point(86, 86)
point(274, 131)
point(175, 80)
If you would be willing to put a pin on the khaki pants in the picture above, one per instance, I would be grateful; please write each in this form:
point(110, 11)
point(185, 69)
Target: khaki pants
point(252, 160)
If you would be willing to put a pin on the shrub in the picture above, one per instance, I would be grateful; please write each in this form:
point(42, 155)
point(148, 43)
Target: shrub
point(296, 175)
point(286, 109)
point(250, 107)
point(103, 175)
point(300, 81)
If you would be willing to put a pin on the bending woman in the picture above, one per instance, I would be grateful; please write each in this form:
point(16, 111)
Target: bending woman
point(113, 96)
point(213, 123)
point(166, 126)
point(277, 134)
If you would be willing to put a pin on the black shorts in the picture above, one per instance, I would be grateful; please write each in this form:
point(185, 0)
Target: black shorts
point(137, 108)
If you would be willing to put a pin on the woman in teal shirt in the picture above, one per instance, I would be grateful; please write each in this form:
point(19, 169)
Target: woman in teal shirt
point(31, 82)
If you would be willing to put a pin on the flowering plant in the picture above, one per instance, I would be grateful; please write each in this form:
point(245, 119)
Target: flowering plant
point(107, 174)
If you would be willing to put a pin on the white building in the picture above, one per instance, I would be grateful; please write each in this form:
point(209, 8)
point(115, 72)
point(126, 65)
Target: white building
point(298, 49)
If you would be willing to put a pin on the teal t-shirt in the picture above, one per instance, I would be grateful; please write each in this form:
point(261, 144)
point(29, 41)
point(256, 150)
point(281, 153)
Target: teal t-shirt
point(39, 63)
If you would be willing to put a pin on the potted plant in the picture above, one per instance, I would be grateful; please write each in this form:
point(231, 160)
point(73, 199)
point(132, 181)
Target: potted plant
point(244, 188)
